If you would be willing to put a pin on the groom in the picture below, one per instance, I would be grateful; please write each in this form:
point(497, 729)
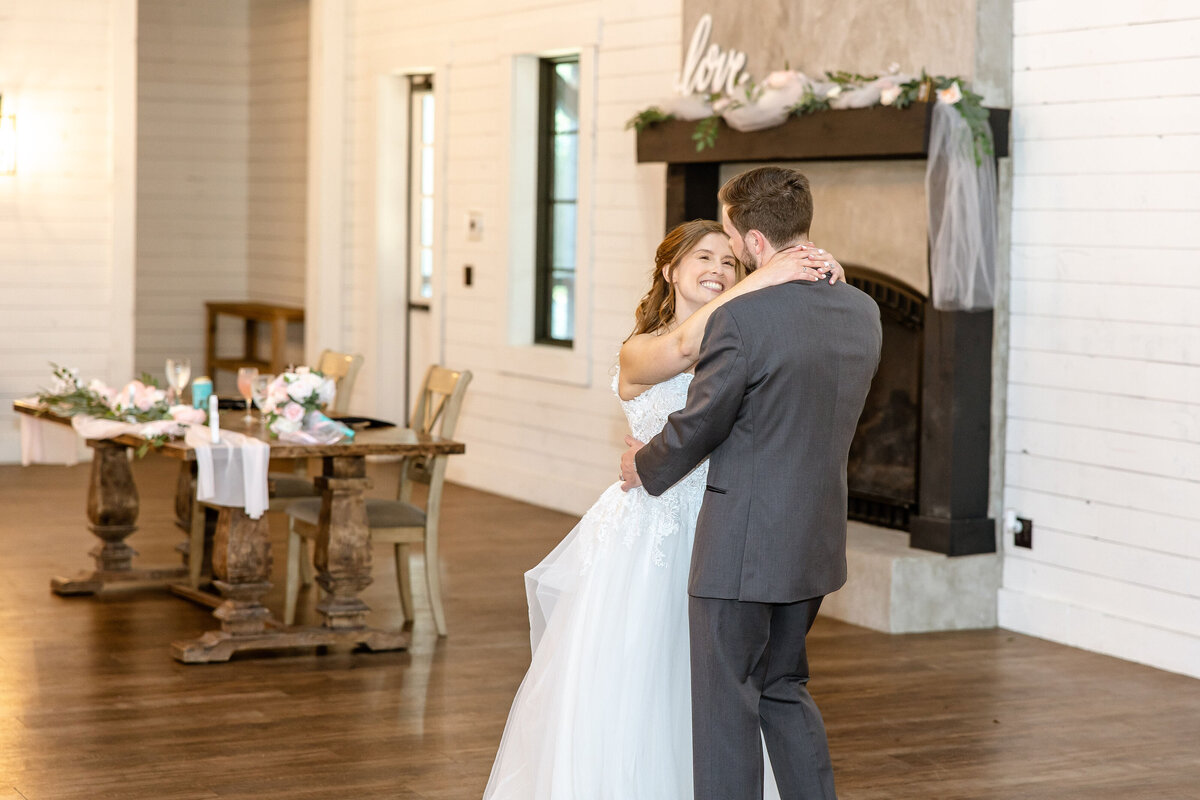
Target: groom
point(781, 381)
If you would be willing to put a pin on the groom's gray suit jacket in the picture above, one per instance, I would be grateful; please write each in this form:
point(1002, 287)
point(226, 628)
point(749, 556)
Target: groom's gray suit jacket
point(779, 387)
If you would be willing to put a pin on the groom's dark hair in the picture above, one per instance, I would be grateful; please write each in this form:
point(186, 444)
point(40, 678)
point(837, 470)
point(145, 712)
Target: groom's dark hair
point(773, 200)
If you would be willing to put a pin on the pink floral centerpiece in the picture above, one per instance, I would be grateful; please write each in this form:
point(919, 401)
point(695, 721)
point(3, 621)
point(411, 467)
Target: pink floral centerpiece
point(294, 401)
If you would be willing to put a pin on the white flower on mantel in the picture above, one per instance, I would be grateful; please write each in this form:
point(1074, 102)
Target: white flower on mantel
point(687, 107)
point(889, 95)
point(833, 92)
point(765, 106)
point(950, 95)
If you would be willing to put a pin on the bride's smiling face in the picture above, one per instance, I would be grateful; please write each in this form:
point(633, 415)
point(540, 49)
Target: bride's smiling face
point(706, 271)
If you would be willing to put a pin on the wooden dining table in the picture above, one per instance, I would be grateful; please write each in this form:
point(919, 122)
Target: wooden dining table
point(241, 554)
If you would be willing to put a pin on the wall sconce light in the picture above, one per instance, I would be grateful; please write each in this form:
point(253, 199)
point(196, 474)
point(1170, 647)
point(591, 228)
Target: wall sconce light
point(8, 141)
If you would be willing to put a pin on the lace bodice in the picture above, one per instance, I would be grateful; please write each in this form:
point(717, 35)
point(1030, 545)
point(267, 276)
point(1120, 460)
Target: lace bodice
point(647, 414)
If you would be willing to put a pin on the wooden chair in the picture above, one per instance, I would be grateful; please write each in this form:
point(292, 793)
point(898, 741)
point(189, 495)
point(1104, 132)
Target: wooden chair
point(287, 486)
point(397, 522)
point(343, 368)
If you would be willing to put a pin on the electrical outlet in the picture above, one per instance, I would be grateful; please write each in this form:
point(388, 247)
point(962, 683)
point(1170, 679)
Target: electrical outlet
point(1024, 536)
point(468, 275)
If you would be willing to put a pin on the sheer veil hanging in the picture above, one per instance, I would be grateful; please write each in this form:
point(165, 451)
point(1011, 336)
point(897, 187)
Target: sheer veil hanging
point(962, 215)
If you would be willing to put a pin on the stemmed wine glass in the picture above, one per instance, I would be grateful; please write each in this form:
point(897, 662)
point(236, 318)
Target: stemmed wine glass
point(258, 389)
point(179, 372)
point(246, 376)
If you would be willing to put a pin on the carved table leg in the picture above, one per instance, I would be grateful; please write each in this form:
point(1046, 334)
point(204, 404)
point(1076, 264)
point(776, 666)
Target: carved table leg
point(342, 554)
point(242, 570)
point(112, 511)
point(196, 520)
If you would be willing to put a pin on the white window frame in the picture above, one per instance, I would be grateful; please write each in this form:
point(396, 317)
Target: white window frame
point(521, 355)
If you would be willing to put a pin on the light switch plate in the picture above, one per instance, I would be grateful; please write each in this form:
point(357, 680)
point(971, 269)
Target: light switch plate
point(474, 226)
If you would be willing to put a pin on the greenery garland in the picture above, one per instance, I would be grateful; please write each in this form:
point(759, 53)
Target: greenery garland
point(970, 105)
point(70, 398)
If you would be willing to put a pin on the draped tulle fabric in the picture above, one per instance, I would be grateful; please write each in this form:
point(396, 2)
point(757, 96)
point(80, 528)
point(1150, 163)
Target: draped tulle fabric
point(961, 193)
point(604, 712)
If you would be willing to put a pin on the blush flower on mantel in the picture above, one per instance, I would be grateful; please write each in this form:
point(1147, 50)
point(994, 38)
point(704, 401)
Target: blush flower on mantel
point(951, 94)
point(889, 94)
point(782, 78)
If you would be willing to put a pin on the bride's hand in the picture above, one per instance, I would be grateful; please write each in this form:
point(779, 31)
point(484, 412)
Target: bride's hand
point(802, 262)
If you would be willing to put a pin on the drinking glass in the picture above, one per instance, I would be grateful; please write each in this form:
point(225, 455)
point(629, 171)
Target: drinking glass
point(246, 376)
point(179, 372)
point(258, 389)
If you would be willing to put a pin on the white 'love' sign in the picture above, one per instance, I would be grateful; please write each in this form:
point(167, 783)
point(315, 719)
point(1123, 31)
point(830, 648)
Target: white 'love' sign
point(706, 69)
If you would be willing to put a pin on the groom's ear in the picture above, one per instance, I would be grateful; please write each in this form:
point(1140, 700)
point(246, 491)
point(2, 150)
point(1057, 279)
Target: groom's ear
point(755, 241)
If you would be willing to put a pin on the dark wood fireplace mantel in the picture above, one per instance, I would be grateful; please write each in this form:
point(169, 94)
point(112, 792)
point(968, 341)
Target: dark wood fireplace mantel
point(861, 133)
point(950, 515)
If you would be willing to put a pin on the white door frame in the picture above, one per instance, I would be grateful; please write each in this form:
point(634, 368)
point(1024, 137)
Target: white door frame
point(392, 238)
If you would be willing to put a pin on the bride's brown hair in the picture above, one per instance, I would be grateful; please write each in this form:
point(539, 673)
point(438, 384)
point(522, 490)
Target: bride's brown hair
point(657, 308)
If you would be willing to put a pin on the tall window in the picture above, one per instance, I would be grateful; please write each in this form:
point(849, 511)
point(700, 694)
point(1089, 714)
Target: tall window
point(420, 171)
point(558, 170)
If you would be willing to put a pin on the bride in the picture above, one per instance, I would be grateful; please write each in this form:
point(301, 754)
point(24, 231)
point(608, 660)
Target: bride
point(604, 712)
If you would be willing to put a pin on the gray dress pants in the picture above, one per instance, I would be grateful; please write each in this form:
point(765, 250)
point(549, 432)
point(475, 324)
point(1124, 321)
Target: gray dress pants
point(750, 672)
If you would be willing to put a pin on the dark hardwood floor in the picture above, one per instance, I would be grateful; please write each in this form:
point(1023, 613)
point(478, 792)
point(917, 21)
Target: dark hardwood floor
point(93, 707)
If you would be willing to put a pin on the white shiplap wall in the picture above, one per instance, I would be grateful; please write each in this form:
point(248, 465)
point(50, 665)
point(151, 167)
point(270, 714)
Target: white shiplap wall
point(277, 148)
point(193, 114)
point(1103, 449)
point(530, 433)
point(222, 109)
point(65, 267)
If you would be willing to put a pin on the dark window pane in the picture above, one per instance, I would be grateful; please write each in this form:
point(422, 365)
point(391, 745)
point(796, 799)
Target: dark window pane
point(566, 96)
point(566, 166)
point(558, 171)
point(563, 254)
point(562, 307)
point(427, 118)
point(427, 170)
point(427, 222)
point(426, 272)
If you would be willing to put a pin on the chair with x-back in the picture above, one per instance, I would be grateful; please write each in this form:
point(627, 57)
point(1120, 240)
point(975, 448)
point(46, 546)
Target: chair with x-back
point(398, 522)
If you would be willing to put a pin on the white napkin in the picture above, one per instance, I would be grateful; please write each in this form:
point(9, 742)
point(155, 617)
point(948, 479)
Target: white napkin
point(232, 472)
point(46, 442)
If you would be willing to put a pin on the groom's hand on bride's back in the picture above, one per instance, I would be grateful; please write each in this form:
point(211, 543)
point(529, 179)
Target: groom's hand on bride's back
point(629, 473)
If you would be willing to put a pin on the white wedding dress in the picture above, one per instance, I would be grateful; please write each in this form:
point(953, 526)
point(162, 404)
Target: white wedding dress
point(604, 712)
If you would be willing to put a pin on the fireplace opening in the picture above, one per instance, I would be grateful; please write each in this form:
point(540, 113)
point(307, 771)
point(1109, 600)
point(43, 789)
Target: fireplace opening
point(884, 464)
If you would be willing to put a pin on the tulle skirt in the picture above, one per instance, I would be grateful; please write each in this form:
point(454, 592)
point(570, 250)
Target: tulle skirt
point(604, 712)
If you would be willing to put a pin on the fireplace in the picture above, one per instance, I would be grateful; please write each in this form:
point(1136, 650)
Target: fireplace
point(884, 457)
point(919, 460)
